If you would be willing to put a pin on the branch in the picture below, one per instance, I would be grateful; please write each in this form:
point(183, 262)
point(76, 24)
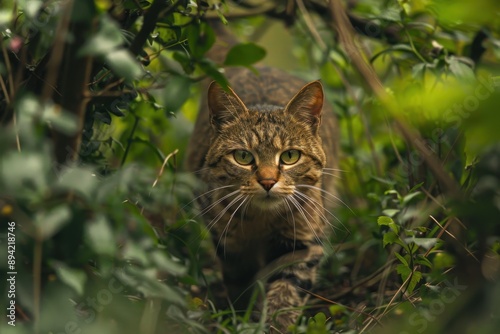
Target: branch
point(149, 23)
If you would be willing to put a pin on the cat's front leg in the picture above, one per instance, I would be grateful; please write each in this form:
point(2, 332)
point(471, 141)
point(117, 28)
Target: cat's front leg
point(287, 280)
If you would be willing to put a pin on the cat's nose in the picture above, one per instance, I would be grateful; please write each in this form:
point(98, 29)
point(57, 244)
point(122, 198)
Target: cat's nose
point(267, 184)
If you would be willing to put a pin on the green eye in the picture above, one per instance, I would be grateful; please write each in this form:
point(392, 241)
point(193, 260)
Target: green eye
point(243, 157)
point(290, 157)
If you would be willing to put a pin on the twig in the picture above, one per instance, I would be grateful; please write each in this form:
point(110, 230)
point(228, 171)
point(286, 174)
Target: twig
point(165, 161)
point(149, 23)
point(9, 72)
point(444, 229)
point(57, 52)
point(129, 141)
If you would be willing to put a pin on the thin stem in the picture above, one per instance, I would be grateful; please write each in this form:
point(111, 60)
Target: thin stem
point(129, 140)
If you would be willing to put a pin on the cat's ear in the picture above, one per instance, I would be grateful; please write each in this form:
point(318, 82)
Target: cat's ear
point(307, 104)
point(224, 106)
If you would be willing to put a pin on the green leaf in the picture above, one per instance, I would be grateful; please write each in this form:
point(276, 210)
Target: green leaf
point(133, 252)
point(164, 263)
point(123, 63)
point(100, 236)
point(418, 71)
point(426, 243)
point(24, 173)
point(443, 260)
point(50, 222)
point(405, 272)
point(423, 261)
point(402, 259)
point(146, 282)
point(390, 212)
point(211, 70)
point(176, 92)
point(5, 18)
point(387, 221)
point(407, 199)
point(337, 309)
point(79, 179)
point(74, 278)
point(200, 39)
point(245, 54)
point(396, 47)
point(107, 39)
point(461, 70)
point(61, 120)
point(389, 238)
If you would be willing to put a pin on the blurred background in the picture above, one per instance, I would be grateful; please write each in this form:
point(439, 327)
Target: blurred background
point(97, 103)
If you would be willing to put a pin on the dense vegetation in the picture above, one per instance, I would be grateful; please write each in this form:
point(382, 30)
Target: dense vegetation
point(97, 101)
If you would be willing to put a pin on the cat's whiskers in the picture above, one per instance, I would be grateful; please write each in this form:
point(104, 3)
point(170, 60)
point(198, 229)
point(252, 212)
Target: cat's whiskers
point(212, 205)
point(316, 203)
point(303, 212)
point(317, 207)
point(285, 199)
point(336, 170)
point(199, 171)
point(245, 208)
point(334, 175)
point(327, 194)
point(226, 228)
point(221, 214)
point(206, 193)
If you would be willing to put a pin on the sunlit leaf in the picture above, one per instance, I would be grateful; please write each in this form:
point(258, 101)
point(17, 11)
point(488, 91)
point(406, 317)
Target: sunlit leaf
point(426, 243)
point(123, 63)
point(107, 39)
point(82, 180)
point(387, 221)
point(200, 38)
point(167, 264)
point(245, 54)
point(49, 222)
point(75, 278)
point(176, 92)
point(405, 272)
point(389, 238)
point(100, 237)
point(461, 70)
point(24, 173)
point(61, 120)
point(211, 69)
point(390, 212)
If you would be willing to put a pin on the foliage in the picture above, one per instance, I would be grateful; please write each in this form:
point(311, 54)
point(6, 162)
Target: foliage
point(97, 101)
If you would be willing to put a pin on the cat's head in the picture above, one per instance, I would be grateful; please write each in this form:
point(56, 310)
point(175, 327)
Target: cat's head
point(267, 152)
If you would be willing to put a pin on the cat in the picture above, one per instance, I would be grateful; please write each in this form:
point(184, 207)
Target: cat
point(266, 149)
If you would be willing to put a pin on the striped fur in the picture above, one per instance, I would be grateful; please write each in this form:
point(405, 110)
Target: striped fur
point(274, 235)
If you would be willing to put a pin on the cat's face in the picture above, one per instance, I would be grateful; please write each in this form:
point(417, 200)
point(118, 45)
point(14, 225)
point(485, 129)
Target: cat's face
point(265, 154)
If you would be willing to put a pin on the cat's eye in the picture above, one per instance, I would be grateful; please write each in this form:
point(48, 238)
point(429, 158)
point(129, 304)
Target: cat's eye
point(290, 157)
point(243, 157)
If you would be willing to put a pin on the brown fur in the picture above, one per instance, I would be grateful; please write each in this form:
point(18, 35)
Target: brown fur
point(274, 235)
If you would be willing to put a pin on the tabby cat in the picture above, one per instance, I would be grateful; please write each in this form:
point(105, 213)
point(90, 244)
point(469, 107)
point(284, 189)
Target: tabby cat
point(266, 150)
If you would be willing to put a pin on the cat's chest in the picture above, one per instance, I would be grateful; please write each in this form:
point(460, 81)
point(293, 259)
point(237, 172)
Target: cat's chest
point(254, 231)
